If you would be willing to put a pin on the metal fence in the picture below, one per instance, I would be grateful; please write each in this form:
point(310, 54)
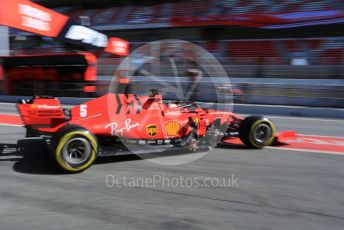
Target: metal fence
point(253, 82)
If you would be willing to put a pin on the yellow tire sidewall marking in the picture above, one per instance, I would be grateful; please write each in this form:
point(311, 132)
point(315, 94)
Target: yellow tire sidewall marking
point(273, 131)
point(64, 140)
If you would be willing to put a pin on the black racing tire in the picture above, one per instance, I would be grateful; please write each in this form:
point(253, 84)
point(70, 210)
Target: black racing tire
point(74, 148)
point(257, 132)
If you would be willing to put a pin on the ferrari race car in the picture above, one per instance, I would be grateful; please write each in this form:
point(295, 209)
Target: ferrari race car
point(78, 135)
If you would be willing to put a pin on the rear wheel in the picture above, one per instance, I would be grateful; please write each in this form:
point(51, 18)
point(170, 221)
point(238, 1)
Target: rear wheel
point(74, 149)
point(257, 132)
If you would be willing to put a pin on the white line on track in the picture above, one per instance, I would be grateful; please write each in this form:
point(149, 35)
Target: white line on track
point(11, 114)
point(7, 103)
point(299, 118)
point(286, 106)
point(306, 118)
point(311, 135)
point(305, 150)
point(12, 125)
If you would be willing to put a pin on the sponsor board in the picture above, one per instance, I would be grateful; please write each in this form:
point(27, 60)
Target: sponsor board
point(28, 16)
point(117, 46)
point(87, 36)
point(34, 18)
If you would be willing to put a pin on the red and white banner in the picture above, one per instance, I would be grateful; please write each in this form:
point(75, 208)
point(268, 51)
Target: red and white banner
point(28, 16)
point(117, 46)
point(31, 17)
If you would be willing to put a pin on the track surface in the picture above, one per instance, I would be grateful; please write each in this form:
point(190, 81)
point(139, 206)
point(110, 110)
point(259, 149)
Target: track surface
point(278, 189)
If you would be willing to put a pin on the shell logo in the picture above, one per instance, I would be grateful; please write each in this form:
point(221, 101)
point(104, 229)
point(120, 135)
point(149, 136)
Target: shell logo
point(172, 128)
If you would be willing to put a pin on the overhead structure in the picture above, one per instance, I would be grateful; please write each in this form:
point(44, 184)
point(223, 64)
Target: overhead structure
point(31, 17)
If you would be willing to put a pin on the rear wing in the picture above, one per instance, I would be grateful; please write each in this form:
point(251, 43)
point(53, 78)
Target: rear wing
point(41, 112)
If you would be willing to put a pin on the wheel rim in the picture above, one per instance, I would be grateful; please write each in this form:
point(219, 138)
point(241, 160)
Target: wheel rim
point(262, 133)
point(76, 151)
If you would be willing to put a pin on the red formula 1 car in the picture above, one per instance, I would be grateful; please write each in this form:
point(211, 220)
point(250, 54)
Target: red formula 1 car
point(78, 135)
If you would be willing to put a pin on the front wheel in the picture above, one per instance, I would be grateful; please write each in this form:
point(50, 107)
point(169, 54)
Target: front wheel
point(74, 149)
point(257, 132)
